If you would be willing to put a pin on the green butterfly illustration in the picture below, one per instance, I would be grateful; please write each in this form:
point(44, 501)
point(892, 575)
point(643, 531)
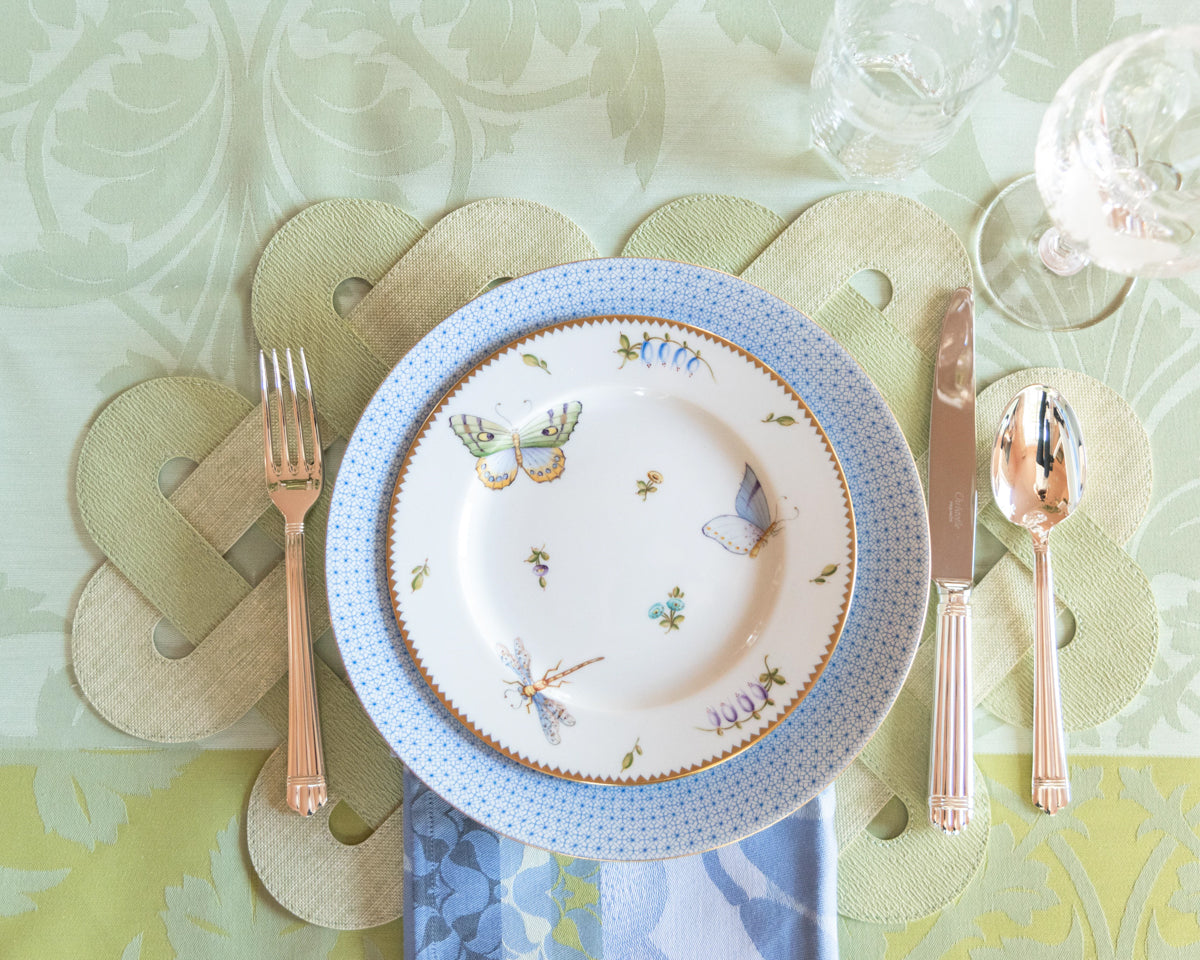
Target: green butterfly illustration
point(532, 446)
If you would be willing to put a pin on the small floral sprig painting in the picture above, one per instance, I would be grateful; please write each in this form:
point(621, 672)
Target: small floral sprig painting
point(826, 572)
point(627, 762)
point(667, 613)
point(626, 351)
point(650, 484)
point(535, 361)
point(787, 420)
point(419, 574)
point(745, 705)
point(664, 351)
point(538, 557)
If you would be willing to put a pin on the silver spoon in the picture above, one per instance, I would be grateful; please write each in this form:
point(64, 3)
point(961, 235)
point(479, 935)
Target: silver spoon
point(1038, 467)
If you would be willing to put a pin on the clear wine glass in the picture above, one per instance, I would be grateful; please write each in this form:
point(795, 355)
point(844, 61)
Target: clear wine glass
point(1116, 192)
point(894, 79)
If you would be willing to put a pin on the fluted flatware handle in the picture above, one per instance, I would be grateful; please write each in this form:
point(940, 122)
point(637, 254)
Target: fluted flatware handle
point(951, 763)
point(306, 787)
point(1051, 786)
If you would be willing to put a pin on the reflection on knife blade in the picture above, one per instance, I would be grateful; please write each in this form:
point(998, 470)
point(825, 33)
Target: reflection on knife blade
point(952, 502)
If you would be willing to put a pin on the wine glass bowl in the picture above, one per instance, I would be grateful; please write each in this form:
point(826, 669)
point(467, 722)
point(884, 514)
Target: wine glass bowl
point(1116, 191)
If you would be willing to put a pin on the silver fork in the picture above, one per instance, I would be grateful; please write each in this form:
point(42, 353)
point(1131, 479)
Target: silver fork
point(294, 486)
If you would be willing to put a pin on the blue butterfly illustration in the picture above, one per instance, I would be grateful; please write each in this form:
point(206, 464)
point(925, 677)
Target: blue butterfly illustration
point(751, 527)
point(528, 692)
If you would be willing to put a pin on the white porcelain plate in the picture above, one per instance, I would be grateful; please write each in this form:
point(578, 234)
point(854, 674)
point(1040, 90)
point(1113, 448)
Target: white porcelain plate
point(622, 550)
point(729, 800)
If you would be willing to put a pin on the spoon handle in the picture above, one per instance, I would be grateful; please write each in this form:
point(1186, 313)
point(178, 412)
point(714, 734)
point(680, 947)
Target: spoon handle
point(1051, 787)
point(951, 765)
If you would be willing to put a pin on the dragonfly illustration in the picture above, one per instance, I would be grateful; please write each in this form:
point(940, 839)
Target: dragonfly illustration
point(528, 692)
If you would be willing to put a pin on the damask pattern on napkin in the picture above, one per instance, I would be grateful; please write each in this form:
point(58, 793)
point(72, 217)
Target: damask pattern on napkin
point(749, 899)
point(475, 895)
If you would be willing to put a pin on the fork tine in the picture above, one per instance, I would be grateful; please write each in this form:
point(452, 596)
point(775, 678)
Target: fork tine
point(312, 411)
point(301, 459)
point(268, 442)
point(285, 452)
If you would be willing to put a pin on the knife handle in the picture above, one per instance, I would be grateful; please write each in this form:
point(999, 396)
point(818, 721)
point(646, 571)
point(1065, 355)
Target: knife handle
point(951, 765)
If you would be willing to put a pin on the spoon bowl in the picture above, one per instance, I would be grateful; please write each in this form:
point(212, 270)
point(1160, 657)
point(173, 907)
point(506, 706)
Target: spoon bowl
point(1038, 468)
point(1038, 461)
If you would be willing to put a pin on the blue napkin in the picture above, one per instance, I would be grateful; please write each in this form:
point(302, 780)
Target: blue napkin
point(473, 895)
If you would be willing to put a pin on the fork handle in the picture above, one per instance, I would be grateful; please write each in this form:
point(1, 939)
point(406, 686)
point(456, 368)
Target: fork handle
point(951, 764)
point(306, 788)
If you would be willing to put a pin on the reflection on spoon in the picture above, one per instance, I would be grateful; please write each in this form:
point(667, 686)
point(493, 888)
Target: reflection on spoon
point(1038, 466)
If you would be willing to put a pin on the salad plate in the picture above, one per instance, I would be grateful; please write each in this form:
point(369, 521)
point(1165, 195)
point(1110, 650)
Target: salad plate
point(726, 801)
point(636, 565)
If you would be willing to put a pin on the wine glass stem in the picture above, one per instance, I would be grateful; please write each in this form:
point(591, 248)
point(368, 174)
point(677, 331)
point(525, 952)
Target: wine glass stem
point(1059, 255)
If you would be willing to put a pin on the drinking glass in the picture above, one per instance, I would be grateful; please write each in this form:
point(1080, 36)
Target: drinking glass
point(894, 79)
point(1116, 188)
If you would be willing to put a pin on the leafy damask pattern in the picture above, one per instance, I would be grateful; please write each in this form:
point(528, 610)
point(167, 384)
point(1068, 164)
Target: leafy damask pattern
point(475, 896)
point(1104, 904)
point(557, 900)
point(21, 611)
point(766, 22)
point(226, 917)
point(80, 791)
point(498, 37)
point(1056, 36)
point(16, 886)
point(194, 146)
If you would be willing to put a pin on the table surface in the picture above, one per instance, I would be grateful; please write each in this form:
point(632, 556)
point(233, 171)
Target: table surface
point(146, 159)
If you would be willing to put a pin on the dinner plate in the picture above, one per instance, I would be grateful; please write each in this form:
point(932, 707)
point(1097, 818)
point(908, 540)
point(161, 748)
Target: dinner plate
point(747, 792)
point(636, 564)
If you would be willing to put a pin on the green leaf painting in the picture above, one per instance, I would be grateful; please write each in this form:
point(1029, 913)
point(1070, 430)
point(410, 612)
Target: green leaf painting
point(532, 360)
point(225, 917)
point(16, 885)
point(420, 574)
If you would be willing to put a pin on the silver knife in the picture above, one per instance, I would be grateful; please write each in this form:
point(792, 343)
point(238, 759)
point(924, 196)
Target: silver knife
point(952, 542)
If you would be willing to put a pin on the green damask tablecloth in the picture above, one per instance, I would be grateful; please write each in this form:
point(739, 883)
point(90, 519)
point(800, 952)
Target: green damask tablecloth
point(147, 153)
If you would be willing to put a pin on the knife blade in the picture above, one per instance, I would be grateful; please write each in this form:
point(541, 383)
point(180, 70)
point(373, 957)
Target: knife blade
point(952, 501)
